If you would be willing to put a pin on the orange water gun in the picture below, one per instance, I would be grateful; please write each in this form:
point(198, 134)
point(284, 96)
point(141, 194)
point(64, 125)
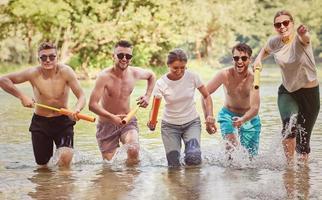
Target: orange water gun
point(64, 111)
point(154, 112)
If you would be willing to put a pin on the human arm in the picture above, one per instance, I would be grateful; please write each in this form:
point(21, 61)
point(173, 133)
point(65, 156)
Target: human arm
point(7, 83)
point(303, 34)
point(143, 74)
point(77, 90)
point(95, 106)
point(213, 85)
point(252, 111)
point(208, 110)
point(262, 55)
point(257, 65)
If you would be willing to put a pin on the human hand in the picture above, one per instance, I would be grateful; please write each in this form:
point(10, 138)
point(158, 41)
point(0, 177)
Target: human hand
point(143, 101)
point(151, 126)
point(73, 116)
point(238, 121)
point(257, 65)
point(210, 125)
point(27, 101)
point(117, 119)
point(302, 30)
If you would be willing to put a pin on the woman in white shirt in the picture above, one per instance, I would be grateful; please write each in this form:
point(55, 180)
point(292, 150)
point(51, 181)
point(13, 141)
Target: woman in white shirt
point(180, 118)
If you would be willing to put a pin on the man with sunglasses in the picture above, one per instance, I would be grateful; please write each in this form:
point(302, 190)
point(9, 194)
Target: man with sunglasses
point(110, 100)
point(239, 120)
point(51, 83)
point(298, 95)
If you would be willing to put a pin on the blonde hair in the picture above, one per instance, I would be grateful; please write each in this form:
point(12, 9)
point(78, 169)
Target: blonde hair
point(283, 12)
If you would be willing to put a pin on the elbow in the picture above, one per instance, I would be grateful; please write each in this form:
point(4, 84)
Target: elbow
point(152, 78)
point(3, 81)
point(91, 106)
point(256, 110)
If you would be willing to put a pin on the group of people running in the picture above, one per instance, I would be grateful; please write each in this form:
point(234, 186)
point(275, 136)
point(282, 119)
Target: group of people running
point(298, 97)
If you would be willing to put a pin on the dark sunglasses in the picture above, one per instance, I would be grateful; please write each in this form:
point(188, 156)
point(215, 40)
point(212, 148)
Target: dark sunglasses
point(279, 24)
point(51, 57)
point(243, 58)
point(121, 56)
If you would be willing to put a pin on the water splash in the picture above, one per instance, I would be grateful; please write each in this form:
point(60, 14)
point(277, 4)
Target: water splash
point(79, 158)
point(118, 162)
point(290, 126)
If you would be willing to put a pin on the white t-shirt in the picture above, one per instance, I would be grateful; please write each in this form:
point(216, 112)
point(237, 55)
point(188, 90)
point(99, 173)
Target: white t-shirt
point(178, 97)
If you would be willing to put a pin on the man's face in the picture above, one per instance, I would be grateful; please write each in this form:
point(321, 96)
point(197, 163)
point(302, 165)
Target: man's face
point(48, 58)
point(241, 61)
point(122, 57)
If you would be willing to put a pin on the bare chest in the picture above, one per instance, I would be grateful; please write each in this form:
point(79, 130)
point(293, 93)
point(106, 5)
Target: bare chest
point(119, 88)
point(239, 89)
point(55, 87)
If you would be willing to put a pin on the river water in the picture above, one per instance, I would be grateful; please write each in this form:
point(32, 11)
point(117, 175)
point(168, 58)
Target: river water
point(266, 177)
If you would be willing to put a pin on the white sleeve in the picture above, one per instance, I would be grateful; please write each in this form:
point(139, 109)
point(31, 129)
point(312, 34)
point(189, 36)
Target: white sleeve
point(157, 90)
point(197, 80)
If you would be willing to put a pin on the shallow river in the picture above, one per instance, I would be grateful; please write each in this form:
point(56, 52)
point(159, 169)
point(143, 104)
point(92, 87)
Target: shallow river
point(266, 177)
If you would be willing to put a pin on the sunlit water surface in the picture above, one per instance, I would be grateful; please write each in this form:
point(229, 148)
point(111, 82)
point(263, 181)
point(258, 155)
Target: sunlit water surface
point(266, 177)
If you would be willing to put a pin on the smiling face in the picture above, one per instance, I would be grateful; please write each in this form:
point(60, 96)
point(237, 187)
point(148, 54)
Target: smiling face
point(122, 57)
point(241, 61)
point(48, 58)
point(284, 25)
point(176, 69)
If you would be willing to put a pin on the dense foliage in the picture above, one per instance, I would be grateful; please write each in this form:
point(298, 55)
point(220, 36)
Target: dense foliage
point(86, 30)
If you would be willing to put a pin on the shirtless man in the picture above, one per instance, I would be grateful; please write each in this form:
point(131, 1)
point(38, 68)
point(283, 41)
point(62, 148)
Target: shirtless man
point(110, 100)
point(51, 83)
point(241, 101)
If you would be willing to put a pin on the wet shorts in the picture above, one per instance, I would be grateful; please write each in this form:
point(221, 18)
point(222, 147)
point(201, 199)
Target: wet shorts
point(249, 132)
point(304, 105)
point(108, 135)
point(45, 131)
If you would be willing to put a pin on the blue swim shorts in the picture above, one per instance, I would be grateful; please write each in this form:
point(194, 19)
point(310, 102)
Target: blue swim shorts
point(249, 132)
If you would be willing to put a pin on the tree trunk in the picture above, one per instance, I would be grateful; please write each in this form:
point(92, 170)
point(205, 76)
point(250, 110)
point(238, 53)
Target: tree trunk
point(84, 69)
point(65, 52)
point(197, 49)
point(30, 34)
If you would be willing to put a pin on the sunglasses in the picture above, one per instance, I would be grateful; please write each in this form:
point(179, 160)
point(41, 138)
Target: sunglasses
point(51, 57)
point(279, 24)
point(243, 58)
point(121, 56)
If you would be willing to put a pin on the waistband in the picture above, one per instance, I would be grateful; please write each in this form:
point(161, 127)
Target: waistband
point(39, 117)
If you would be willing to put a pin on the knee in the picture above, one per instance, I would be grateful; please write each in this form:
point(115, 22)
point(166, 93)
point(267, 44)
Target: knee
point(65, 156)
point(173, 158)
point(193, 159)
point(133, 150)
point(42, 162)
point(289, 127)
point(192, 152)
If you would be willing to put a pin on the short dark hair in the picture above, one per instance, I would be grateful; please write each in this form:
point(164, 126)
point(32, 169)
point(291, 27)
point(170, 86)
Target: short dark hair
point(283, 12)
point(46, 45)
point(123, 43)
point(177, 55)
point(242, 47)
